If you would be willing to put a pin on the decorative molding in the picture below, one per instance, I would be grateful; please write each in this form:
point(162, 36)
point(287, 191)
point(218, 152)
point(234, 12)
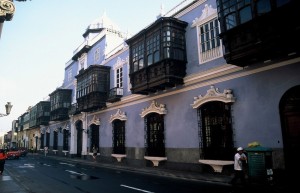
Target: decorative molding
point(78, 117)
point(42, 129)
point(208, 13)
point(178, 11)
point(154, 108)
point(66, 126)
point(95, 120)
point(120, 63)
point(47, 129)
point(213, 94)
point(7, 9)
point(119, 115)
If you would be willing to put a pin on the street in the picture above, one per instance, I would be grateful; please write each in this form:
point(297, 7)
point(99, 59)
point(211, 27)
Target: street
point(39, 174)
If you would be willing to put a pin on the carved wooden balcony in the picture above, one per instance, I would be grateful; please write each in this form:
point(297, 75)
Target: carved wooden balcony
point(164, 74)
point(60, 101)
point(92, 88)
point(92, 101)
point(261, 37)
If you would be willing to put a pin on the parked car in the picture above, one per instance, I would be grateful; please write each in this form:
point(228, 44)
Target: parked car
point(13, 153)
point(23, 151)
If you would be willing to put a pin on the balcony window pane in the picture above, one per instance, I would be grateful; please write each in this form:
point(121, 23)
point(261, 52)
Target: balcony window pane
point(230, 21)
point(245, 14)
point(150, 59)
point(263, 6)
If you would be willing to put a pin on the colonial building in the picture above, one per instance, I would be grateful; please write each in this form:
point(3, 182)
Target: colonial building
point(202, 79)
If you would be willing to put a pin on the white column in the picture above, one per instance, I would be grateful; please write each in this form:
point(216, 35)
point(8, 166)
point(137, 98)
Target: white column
point(84, 135)
point(73, 141)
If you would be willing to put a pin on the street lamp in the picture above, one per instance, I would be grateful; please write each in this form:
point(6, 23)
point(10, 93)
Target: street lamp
point(8, 107)
point(7, 10)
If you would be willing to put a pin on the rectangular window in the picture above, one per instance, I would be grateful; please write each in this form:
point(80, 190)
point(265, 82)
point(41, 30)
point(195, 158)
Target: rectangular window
point(119, 77)
point(70, 75)
point(153, 44)
point(138, 56)
point(209, 42)
point(97, 55)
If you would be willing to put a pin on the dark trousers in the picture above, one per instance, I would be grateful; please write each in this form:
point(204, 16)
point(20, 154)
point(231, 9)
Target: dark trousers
point(239, 175)
point(2, 162)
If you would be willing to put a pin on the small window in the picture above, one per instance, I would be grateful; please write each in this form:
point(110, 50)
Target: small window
point(97, 55)
point(119, 77)
point(70, 76)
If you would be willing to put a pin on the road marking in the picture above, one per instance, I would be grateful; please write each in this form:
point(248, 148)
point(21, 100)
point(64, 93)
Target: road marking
point(67, 164)
point(27, 166)
point(136, 188)
point(73, 172)
point(5, 178)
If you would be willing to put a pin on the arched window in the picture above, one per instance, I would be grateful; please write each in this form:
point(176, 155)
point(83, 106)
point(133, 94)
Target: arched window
point(79, 129)
point(42, 140)
point(290, 122)
point(216, 136)
point(65, 140)
point(118, 136)
point(94, 136)
point(55, 140)
point(155, 139)
point(48, 139)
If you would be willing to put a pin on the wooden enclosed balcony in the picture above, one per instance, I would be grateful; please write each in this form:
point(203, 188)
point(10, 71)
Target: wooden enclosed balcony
point(159, 76)
point(267, 33)
point(92, 88)
point(60, 101)
point(158, 56)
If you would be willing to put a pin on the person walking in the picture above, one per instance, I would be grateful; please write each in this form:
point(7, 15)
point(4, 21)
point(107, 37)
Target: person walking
point(239, 167)
point(3, 157)
point(95, 151)
point(45, 150)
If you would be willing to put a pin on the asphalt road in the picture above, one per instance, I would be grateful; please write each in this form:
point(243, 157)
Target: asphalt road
point(38, 174)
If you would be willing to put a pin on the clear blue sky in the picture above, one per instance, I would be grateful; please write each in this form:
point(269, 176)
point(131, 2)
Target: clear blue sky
point(42, 36)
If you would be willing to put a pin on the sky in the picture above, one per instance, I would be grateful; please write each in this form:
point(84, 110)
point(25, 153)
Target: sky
point(40, 39)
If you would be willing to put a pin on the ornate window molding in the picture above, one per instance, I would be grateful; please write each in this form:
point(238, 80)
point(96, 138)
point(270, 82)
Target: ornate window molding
point(47, 130)
point(213, 94)
point(95, 120)
point(66, 126)
point(119, 115)
point(43, 129)
point(7, 9)
point(154, 108)
point(80, 117)
point(36, 134)
point(208, 13)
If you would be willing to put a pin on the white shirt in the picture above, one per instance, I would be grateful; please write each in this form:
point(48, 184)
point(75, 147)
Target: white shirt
point(237, 162)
